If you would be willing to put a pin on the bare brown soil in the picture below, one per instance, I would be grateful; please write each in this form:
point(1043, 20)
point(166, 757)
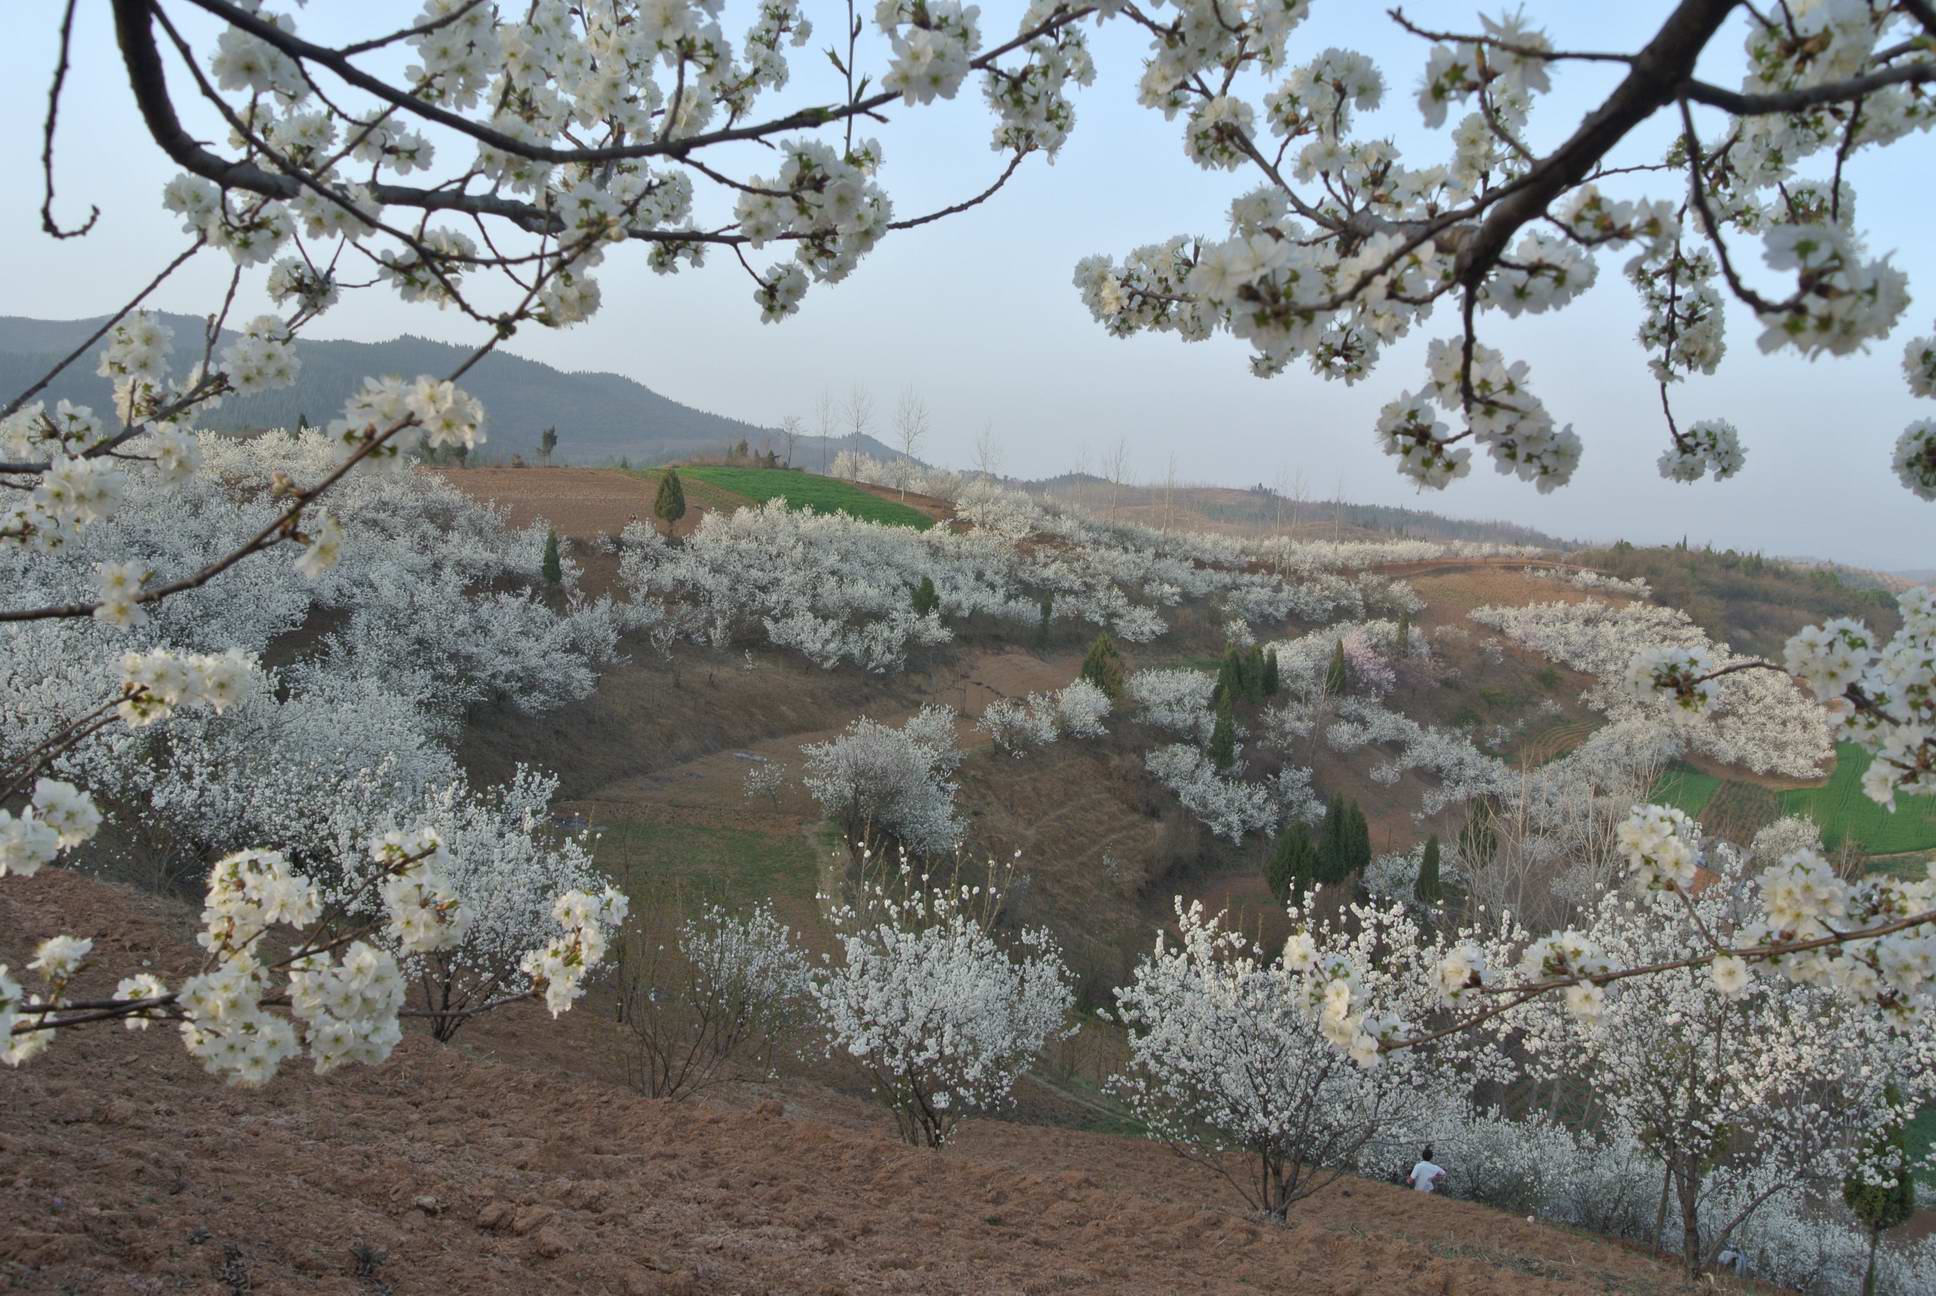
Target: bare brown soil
point(583, 502)
point(132, 1172)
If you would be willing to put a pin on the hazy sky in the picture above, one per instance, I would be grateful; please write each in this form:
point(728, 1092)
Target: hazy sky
point(977, 312)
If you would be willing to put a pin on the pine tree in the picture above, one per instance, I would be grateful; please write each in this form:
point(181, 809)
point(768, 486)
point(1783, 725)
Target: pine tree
point(1336, 675)
point(1429, 890)
point(1292, 868)
point(926, 600)
point(1254, 673)
point(1358, 842)
point(671, 504)
point(548, 442)
point(1048, 612)
point(1223, 738)
point(1230, 677)
point(1271, 682)
point(1879, 1208)
point(1103, 667)
point(1332, 866)
point(554, 571)
point(1402, 638)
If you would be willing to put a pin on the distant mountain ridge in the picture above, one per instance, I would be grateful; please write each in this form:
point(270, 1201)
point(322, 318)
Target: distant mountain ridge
point(599, 416)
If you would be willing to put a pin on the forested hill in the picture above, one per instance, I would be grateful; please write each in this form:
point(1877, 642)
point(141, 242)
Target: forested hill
point(599, 416)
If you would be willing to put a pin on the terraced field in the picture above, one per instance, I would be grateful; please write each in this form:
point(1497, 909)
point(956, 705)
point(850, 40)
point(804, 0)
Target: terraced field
point(807, 490)
point(1551, 743)
point(1842, 810)
point(1737, 811)
point(1687, 789)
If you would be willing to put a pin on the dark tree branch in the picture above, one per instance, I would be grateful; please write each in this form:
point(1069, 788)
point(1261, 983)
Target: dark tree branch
point(47, 221)
point(1788, 101)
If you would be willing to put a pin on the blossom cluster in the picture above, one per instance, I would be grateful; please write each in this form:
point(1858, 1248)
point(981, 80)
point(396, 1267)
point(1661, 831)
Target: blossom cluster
point(1346, 245)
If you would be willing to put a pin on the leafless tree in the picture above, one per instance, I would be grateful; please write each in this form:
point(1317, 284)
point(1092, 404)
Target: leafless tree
point(1116, 469)
point(790, 429)
point(988, 452)
point(910, 428)
point(823, 422)
point(1169, 492)
point(859, 415)
point(1291, 491)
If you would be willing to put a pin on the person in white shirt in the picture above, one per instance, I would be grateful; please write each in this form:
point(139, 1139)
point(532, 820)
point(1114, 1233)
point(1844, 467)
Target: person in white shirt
point(1425, 1176)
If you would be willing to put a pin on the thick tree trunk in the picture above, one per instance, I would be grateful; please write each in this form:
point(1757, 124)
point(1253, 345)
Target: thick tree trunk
point(1689, 1185)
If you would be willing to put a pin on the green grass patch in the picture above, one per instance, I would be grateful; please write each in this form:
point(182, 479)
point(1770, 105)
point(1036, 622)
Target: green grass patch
point(1845, 813)
point(1922, 1137)
point(1686, 788)
point(804, 490)
point(729, 866)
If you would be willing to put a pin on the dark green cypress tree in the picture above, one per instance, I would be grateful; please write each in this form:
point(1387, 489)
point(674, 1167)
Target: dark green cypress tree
point(554, 571)
point(1336, 675)
point(1048, 612)
point(1103, 667)
point(671, 504)
point(1254, 673)
point(1879, 1208)
point(1359, 857)
point(1402, 637)
point(1223, 737)
point(1429, 890)
point(1292, 867)
point(1331, 867)
point(1271, 682)
point(926, 600)
point(1230, 676)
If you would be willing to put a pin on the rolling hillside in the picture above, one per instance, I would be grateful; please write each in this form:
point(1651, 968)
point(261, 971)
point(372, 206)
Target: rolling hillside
point(600, 416)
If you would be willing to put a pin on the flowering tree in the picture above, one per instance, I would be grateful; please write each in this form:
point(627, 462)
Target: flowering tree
point(1719, 1073)
point(506, 866)
point(732, 983)
point(1229, 1051)
point(940, 1017)
point(884, 784)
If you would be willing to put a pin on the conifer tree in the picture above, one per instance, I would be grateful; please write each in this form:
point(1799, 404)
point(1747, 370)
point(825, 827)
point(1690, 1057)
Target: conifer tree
point(1254, 673)
point(1103, 667)
point(1292, 868)
point(554, 571)
point(1230, 676)
point(1331, 866)
point(1429, 890)
point(671, 504)
point(1402, 637)
point(548, 442)
point(1336, 675)
point(1223, 737)
point(1271, 681)
point(1358, 856)
point(926, 599)
point(1048, 612)
point(1880, 1208)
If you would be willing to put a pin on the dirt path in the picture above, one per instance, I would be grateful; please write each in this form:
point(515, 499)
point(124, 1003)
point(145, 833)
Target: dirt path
point(710, 789)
